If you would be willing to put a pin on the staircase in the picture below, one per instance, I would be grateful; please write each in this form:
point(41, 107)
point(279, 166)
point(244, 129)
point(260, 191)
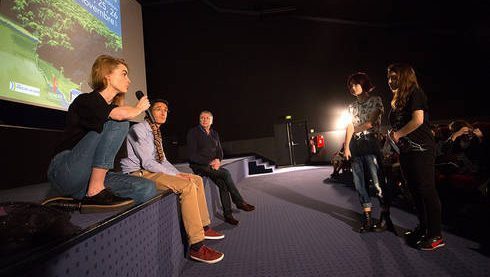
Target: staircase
point(260, 166)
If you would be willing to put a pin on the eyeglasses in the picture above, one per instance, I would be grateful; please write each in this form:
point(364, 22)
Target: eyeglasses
point(161, 110)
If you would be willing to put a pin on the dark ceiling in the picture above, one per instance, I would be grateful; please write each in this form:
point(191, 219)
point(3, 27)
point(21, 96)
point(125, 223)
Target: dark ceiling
point(448, 16)
point(273, 51)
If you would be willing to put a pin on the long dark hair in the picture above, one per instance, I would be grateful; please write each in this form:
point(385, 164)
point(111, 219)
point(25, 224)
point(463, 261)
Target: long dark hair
point(407, 82)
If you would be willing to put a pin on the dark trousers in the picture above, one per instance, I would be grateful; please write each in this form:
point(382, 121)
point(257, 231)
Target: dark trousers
point(387, 186)
point(223, 180)
point(418, 171)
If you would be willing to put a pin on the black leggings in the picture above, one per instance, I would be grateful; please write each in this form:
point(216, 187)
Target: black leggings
point(418, 171)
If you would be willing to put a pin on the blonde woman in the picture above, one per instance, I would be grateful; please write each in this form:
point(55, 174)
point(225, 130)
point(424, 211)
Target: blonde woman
point(95, 129)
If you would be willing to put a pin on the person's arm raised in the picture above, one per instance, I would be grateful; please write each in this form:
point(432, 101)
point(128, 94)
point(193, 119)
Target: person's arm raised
point(130, 112)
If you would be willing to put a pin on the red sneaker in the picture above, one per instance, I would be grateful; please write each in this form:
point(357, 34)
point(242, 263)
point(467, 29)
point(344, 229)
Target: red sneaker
point(206, 255)
point(432, 243)
point(212, 234)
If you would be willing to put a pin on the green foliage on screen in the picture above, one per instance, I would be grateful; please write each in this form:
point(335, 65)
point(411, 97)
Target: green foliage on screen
point(52, 20)
point(22, 64)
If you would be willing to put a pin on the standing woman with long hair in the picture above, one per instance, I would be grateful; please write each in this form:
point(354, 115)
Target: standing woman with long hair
point(411, 132)
point(96, 126)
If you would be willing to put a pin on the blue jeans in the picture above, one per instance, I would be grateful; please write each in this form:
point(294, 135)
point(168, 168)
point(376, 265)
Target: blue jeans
point(358, 164)
point(69, 171)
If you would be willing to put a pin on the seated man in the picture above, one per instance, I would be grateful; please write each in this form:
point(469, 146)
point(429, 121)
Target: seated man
point(147, 159)
point(205, 155)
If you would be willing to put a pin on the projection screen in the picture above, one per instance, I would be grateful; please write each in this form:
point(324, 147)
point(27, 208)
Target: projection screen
point(48, 46)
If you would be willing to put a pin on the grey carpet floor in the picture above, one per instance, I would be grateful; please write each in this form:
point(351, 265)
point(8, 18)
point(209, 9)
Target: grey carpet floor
point(306, 226)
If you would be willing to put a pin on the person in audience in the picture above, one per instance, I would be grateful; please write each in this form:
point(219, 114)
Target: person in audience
point(362, 147)
point(465, 147)
point(95, 129)
point(462, 167)
point(205, 155)
point(339, 163)
point(409, 120)
point(441, 135)
point(146, 158)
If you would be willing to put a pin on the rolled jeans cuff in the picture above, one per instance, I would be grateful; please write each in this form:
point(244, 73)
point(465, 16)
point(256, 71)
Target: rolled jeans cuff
point(367, 205)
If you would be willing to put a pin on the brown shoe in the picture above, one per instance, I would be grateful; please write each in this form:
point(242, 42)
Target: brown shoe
point(231, 220)
point(206, 255)
point(245, 206)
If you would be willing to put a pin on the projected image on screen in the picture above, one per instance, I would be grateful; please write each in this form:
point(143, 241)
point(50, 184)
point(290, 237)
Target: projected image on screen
point(48, 46)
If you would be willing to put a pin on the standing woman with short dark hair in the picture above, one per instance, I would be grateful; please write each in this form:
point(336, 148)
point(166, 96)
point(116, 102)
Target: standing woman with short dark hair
point(96, 125)
point(362, 148)
point(409, 119)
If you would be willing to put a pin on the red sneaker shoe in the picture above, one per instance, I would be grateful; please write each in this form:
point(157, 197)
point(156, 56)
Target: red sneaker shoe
point(212, 234)
point(432, 243)
point(206, 255)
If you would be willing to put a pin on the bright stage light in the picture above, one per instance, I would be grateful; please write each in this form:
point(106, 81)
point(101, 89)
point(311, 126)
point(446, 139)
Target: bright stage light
point(344, 119)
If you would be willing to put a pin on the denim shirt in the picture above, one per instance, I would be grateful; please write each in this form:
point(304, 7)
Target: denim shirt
point(142, 152)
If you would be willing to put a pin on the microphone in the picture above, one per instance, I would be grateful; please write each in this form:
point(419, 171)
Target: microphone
point(140, 94)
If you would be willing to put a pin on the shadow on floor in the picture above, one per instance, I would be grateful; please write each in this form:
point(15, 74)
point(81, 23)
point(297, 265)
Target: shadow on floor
point(464, 214)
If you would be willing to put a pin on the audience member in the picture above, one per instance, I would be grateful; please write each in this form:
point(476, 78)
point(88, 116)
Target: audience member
point(465, 147)
point(440, 137)
point(339, 163)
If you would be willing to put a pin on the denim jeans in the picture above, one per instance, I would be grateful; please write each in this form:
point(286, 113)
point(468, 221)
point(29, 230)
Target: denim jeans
point(370, 163)
point(69, 171)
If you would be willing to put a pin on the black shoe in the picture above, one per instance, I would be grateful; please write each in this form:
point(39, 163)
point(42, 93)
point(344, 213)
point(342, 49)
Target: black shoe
point(245, 206)
point(366, 223)
point(384, 223)
point(415, 236)
point(231, 220)
point(63, 203)
point(104, 201)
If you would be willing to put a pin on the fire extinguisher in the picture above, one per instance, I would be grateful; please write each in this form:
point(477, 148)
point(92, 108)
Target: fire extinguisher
point(312, 145)
point(320, 141)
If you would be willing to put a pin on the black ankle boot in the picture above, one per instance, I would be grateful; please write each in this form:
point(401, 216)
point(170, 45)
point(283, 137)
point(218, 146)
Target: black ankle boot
point(384, 223)
point(416, 236)
point(366, 222)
